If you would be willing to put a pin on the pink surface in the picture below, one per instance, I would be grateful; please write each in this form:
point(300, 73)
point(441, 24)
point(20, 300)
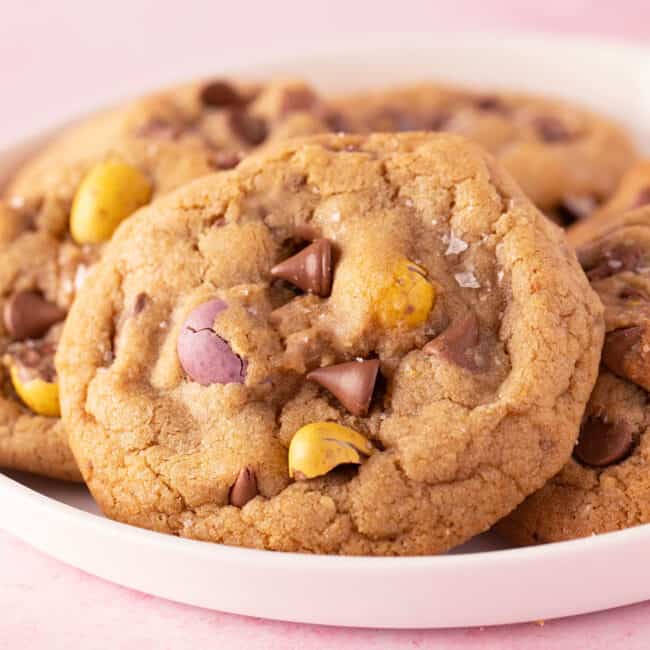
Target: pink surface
point(45, 604)
point(57, 59)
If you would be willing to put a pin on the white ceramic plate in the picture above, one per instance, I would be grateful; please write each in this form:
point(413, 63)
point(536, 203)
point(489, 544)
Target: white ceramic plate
point(482, 583)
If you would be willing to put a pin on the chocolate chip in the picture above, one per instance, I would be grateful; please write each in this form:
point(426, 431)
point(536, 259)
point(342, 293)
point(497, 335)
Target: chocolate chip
point(550, 129)
point(575, 208)
point(491, 104)
point(140, 303)
point(633, 293)
point(220, 94)
point(617, 344)
point(205, 356)
point(28, 315)
point(642, 198)
point(456, 343)
point(623, 257)
point(626, 353)
point(249, 128)
point(352, 383)
point(244, 488)
point(310, 269)
point(603, 443)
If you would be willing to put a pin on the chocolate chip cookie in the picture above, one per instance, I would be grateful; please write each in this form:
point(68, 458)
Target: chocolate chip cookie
point(565, 158)
point(349, 344)
point(632, 192)
point(606, 485)
point(64, 203)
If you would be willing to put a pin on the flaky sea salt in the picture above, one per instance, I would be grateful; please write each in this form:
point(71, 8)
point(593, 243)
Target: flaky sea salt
point(467, 280)
point(336, 217)
point(17, 202)
point(455, 245)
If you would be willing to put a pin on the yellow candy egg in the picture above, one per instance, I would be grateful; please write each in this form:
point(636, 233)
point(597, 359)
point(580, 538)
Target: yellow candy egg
point(319, 447)
point(404, 296)
point(40, 396)
point(110, 192)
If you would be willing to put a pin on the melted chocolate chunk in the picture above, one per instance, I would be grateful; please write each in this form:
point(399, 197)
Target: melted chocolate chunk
point(251, 129)
point(626, 353)
point(551, 130)
point(28, 315)
point(220, 94)
point(491, 104)
point(457, 343)
point(603, 443)
point(619, 258)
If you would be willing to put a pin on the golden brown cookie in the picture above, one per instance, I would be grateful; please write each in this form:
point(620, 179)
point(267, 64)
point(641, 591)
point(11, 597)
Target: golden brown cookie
point(606, 485)
point(349, 344)
point(63, 204)
point(566, 158)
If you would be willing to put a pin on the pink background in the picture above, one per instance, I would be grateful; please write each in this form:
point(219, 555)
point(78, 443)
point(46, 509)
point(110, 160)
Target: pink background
point(58, 59)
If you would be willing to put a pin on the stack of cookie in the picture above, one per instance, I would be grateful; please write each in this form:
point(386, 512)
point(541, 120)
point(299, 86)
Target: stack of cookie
point(336, 325)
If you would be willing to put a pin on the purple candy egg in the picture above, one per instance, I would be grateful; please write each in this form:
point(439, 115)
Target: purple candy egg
point(202, 317)
point(205, 356)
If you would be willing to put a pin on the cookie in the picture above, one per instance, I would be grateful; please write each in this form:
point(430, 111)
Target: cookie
point(354, 345)
point(606, 485)
point(64, 203)
point(565, 158)
point(632, 192)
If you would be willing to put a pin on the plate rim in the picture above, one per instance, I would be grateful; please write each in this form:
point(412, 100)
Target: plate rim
point(11, 487)
point(258, 59)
